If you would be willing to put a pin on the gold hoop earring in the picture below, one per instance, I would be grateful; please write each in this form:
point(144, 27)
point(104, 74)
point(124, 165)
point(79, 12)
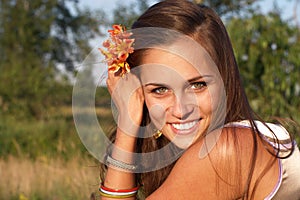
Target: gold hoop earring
point(157, 134)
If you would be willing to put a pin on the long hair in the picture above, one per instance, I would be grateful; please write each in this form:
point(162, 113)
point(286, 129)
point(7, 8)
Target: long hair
point(204, 26)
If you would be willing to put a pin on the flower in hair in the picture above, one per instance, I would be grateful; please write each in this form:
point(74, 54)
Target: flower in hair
point(119, 46)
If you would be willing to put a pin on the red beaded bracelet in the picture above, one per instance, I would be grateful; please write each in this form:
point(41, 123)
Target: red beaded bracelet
point(119, 190)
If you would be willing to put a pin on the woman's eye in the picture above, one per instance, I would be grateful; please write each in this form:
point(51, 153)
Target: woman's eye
point(198, 85)
point(160, 90)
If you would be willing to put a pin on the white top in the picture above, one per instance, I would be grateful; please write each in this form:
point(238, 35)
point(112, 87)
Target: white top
point(288, 184)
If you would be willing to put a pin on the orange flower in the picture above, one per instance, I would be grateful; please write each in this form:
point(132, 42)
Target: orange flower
point(119, 46)
point(123, 56)
point(117, 29)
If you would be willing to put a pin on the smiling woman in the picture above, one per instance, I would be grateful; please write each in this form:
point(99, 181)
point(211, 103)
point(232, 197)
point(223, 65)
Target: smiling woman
point(185, 128)
point(180, 101)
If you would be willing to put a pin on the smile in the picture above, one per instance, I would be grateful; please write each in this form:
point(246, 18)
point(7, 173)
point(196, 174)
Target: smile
point(184, 126)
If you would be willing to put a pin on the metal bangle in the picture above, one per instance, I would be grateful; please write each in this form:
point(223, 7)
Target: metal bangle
point(120, 164)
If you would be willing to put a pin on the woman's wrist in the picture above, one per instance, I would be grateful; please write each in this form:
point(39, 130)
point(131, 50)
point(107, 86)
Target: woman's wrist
point(124, 147)
point(120, 162)
point(127, 167)
point(128, 124)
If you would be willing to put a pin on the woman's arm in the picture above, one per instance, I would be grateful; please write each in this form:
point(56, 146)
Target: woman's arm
point(128, 96)
point(223, 174)
point(119, 178)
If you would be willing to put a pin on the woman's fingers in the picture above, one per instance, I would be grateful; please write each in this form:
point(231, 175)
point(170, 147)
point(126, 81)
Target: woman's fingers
point(111, 81)
point(128, 97)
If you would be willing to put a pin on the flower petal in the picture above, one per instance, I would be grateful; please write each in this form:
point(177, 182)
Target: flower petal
point(114, 68)
point(119, 46)
point(123, 56)
point(127, 67)
point(117, 27)
point(106, 44)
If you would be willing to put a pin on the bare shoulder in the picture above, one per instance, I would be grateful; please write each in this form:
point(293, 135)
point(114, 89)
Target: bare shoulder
point(224, 171)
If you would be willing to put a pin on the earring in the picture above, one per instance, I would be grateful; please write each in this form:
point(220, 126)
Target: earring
point(157, 134)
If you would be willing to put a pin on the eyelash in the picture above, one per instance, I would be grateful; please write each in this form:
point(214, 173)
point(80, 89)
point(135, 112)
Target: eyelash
point(157, 90)
point(201, 83)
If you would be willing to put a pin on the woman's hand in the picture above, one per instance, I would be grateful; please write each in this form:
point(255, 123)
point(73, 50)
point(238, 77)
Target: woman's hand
point(127, 95)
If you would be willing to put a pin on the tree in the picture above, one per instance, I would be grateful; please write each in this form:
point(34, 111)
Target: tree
point(225, 7)
point(35, 38)
point(267, 50)
point(127, 14)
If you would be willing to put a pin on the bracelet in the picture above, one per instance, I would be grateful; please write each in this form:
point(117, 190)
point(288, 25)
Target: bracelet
point(119, 190)
point(120, 164)
point(117, 193)
point(116, 196)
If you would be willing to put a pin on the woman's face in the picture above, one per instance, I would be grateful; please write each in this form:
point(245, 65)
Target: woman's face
point(181, 98)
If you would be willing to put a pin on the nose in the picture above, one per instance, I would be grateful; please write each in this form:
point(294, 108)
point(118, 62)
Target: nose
point(181, 109)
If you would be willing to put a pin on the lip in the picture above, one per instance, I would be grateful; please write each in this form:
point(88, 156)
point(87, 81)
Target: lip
point(185, 131)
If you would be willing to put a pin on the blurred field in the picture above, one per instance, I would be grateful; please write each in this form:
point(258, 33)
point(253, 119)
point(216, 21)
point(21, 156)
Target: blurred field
point(45, 178)
point(45, 159)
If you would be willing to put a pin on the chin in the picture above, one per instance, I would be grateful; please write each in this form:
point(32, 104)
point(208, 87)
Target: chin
point(183, 143)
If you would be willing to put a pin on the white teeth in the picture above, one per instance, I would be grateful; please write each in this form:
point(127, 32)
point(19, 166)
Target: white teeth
point(184, 126)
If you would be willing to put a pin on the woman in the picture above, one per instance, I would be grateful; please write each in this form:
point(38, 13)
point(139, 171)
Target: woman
point(184, 87)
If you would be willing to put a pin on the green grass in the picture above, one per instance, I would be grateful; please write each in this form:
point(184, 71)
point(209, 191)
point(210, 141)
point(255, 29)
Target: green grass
point(51, 179)
point(36, 138)
point(45, 159)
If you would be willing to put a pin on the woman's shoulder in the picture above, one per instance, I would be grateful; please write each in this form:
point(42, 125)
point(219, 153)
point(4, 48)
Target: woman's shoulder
point(225, 143)
point(225, 150)
point(217, 166)
point(231, 152)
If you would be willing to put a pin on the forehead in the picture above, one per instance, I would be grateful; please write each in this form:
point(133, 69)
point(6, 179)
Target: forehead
point(161, 61)
point(171, 65)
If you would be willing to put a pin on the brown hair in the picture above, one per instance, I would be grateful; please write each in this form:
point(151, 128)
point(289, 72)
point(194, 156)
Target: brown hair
point(204, 26)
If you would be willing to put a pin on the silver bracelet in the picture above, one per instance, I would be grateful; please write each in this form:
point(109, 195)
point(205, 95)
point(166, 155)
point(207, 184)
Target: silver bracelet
point(120, 164)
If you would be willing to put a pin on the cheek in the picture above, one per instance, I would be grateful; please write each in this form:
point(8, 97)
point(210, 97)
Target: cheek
point(209, 101)
point(157, 112)
point(204, 103)
point(214, 103)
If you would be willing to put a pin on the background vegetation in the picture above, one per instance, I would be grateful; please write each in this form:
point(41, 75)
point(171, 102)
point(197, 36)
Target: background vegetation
point(41, 42)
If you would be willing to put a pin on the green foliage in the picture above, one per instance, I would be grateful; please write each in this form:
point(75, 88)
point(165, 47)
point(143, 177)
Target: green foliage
point(34, 139)
point(228, 7)
point(35, 38)
point(47, 31)
point(267, 50)
point(127, 14)
point(55, 135)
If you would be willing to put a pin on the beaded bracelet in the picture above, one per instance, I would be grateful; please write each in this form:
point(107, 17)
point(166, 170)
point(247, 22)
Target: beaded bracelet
point(119, 190)
point(117, 193)
point(116, 196)
point(120, 164)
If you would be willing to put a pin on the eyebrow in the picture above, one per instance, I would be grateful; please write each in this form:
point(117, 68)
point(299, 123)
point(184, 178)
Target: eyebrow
point(189, 81)
point(198, 77)
point(156, 84)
